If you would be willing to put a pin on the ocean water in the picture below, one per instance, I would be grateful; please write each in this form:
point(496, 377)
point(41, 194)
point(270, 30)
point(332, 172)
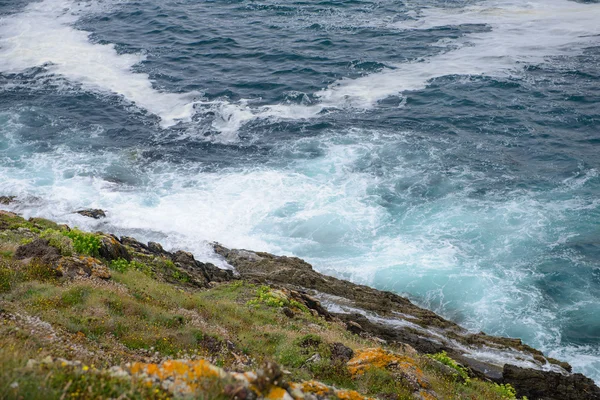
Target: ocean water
point(446, 150)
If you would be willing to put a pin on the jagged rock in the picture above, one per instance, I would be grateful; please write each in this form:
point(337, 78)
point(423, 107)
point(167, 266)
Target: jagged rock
point(545, 385)
point(95, 213)
point(420, 328)
point(111, 249)
point(156, 248)
point(138, 247)
point(311, 303)
point(217, 274)
point(6, 200)
point(84, 267)
point(340, 353)
point(38, 249)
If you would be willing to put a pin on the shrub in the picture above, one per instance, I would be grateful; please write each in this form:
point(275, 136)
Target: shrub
point(84, 243)
point(58, 240)
point(37, 271)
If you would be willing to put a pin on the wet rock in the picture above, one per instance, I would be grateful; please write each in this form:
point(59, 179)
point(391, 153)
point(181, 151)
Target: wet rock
point(112, 249)
point(38, 249)
point(6, 200)
point(217, 274)
point(95, 213)
point(545, 385)
point(340, 353)
point(83, 267)
point(294, 272)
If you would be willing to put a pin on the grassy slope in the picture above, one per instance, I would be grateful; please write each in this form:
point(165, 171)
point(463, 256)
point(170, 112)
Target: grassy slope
point(148, 312)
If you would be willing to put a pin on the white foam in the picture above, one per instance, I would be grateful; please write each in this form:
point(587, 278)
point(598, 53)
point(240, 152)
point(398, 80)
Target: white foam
point(43, 35)
point(522, 33)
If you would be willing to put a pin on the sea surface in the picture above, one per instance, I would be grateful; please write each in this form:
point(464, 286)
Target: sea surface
point(445, 150)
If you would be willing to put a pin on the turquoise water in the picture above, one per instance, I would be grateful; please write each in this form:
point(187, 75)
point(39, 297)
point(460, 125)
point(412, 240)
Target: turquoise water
point(446, 151)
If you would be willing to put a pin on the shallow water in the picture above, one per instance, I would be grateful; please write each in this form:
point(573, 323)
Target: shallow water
point(446, 151)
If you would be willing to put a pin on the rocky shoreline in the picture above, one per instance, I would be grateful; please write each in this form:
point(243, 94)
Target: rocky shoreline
point(377, 316)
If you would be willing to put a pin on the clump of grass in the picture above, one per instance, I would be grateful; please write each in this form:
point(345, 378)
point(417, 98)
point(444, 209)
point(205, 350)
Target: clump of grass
point(84, 243)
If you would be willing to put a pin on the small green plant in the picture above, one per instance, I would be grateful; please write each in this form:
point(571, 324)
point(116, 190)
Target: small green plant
point(122, 265)
point(84, 243)
point(461, 371)
point(181, 277)
point(274, 298)
point(506, 391)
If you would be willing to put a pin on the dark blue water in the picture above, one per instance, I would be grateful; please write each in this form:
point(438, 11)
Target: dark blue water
point(449, 152)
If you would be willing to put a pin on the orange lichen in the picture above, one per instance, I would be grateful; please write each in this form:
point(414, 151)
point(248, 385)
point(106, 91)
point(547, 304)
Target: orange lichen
point(349, 395)
point(277, 393)
point(427, 396)
point(315, 387)
point(375, 357)
point(185, 375)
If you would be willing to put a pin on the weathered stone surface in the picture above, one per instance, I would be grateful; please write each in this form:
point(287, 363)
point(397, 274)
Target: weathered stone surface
point(38, 249)
point(83, 267)
point(92, 213)
point(545, 385)
point(112, 249)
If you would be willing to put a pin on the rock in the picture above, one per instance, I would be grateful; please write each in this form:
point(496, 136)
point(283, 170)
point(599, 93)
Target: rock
point(138, 247)
point(38, 249)
point(545, 385)
point(340, 353)
point(288, 312)
point(95, 213)
point(111, 249)
point(315, 358)
point(354, 327)
point(83, 267)
point(217, 274)
point(6, 200)
point(156, 248)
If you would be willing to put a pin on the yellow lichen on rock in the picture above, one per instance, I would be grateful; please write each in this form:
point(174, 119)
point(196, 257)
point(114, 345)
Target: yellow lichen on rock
point(374, 357)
